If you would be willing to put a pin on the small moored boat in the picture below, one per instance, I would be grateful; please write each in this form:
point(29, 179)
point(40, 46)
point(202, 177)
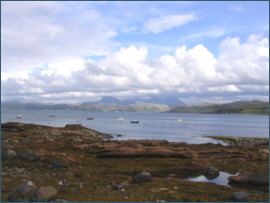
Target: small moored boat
point(134, 121)
point(90, 118)
point(179, 120)
point(120, 119)
point(18, 116)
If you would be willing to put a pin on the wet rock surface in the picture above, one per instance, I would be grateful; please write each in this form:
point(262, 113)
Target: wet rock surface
point(250, 178)
point(99, 169)
point(242, 141)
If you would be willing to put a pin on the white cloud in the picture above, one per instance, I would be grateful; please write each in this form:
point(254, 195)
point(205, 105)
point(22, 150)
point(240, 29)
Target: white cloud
point(244, 63)
point(229, 88)
point(157, 25)
point(38, 33)
point(208, 33)
point(241, 70)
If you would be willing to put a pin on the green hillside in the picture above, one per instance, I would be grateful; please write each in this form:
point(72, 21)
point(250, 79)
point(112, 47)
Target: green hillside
point(239, 107)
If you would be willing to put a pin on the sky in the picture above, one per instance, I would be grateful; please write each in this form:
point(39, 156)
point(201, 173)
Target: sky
point(72, 52)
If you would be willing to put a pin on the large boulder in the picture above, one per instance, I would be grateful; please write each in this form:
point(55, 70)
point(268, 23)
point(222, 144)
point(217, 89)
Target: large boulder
point(240, 196)
point(30, 156)
point(8, 154)
point(249, 178)
point(142, 177)
point(23, 192)
point(211, 172)
point(45, 194)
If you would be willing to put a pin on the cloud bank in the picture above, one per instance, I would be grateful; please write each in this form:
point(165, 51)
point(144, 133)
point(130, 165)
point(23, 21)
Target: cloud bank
point(239, 71)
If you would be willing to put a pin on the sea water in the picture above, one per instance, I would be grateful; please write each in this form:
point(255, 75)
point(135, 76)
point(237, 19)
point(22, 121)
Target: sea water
point(165, 126)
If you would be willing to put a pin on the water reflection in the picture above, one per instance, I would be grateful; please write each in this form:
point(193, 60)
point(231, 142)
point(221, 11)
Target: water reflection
point(222, 179)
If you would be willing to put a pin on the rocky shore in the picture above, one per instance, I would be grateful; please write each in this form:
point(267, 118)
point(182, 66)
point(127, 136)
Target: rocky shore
point(77, 164)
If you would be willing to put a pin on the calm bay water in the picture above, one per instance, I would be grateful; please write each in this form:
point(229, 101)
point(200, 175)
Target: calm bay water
point(192, 129)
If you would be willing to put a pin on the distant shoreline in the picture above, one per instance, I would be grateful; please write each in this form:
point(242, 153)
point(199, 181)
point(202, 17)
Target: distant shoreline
point(249, 108)
point(239, 107)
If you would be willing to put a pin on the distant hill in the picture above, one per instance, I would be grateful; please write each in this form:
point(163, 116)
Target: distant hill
point(110, 100)
point(141, 107)
point(239, 107)
point(169, 100)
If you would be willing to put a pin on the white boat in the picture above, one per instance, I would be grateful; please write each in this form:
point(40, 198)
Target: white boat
point(120, 119)
point(179, 120)
point(19, 116)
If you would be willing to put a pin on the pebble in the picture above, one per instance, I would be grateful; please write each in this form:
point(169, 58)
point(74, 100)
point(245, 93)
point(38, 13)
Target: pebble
point(60, 200)
point(240, 196)
point(211, 172)
point(164, 189)
point(142, 177)
point(81, 185)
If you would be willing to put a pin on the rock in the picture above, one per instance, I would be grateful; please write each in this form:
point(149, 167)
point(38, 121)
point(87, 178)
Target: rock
point(211, 172)
point(5, 139)
point(60, 200)
point(23, 192)
point(73, 125)
point(142, 177)
point(49, 139)
point(77, 139)
point(8, 154)
point(164, 189)
point(25, 141)
point(240, 196)
point(19, 124)
point(30, 156)
point(58, 164)
point(250, 178)
point(12, 127)
point(45, 194)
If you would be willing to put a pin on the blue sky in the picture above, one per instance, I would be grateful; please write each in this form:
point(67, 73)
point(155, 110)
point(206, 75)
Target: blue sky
point(80, 51)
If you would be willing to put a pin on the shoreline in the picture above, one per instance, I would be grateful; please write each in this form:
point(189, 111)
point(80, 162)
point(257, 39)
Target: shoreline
point(91, 168)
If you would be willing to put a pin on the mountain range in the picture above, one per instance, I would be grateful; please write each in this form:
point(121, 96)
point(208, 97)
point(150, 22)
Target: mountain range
point(153, 104)
point(107, 103)
point(169, 100)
